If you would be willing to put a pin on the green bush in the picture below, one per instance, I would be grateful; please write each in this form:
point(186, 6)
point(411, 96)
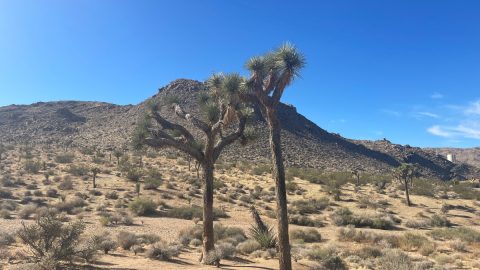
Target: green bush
point(310, 206)
point(191, 212)
point(64, 158)
point(32, 166)
point(142, 206)
point(461, 233)
point(439, 221)
point(344, 217)
point(78, 170)
point(153, 179)
point(49, 238)
point(248, 246)
point(306, 236)
point(126, 239)
point(162, 251)
point(302, 220)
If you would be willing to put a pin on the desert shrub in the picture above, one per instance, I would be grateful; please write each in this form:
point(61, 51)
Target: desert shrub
point(49, 238)
point(302, 220)
point(424, 187)
point(466, 190)
point(187, 235)
point(78, 170)
point(5, 194)
point(395, 260)
point(233, 234)
point(439, 221)
point(31, 166)
point(418, 224)
point(344, 217)
point(148, 238)
point(461, 233)
point(153, 179)
point(7, 180)
point(111, 195)
point(52, 193)
point(6, 239)
point(66, 184)
point(142, 206)
point(331, 262)
point(27, 211)
point(5, 214)
point(64, 158)
point(248, 246)
point(225, 250)
point(105, 243)
point(355, 235)
point(307, 235)
point(261, 169)
point(369, 252)
point(126, 239)
point(458, 245)
point(310, 206)
point(162, 251)
point(71, 206)
point(191, 212)
point(412, 242)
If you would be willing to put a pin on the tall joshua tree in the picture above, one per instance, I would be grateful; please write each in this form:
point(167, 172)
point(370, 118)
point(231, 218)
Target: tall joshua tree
point(405, 173)
point(95, 171)
point(221, 122)
point(270, 75)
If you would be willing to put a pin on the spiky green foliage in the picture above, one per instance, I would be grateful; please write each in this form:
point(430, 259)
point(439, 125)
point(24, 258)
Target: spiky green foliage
point(262, 233)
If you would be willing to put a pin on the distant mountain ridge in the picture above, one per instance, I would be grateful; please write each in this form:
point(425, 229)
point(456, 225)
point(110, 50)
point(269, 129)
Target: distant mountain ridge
point(306, 145)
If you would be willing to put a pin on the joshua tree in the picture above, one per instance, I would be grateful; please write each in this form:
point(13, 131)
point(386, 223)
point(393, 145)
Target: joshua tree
point(95, 171)
point(118, 154)
point(270, 75)
point(223, 113)
point(356, 173)
point(405, 174)
point(3, 150)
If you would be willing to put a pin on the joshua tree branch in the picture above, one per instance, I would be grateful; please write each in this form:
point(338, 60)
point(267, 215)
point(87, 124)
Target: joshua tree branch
point(171, 126)
point(231, 137)
point(195, 121)
point(188, 149)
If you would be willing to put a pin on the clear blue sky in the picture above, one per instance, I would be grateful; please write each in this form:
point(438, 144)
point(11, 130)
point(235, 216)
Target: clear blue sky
point(405, 70)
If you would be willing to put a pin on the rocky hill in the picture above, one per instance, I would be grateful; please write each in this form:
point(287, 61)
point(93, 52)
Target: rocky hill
point(306, 145)
point(470, 156)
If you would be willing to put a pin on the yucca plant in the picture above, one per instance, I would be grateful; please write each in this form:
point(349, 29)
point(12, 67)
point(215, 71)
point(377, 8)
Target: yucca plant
point(261, 232)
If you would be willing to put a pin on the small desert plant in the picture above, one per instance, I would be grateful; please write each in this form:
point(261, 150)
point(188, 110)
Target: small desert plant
point(248, 246)
point(310, 206)
point(78, 170)
point(262, 233)
point(142, 206)
point(191, 212)
point(461, 233)
point(49, 238)
point(66, 184)
point(439, 221)
point(64, 158)
point(153, 179)
point(343, 217)
point(126, 239)
point(162, 251)
point(307, 235)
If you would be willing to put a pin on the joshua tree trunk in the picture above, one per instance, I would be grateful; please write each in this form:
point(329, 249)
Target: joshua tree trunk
point(407, 196)
point(208, 235)
point(278, 172)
